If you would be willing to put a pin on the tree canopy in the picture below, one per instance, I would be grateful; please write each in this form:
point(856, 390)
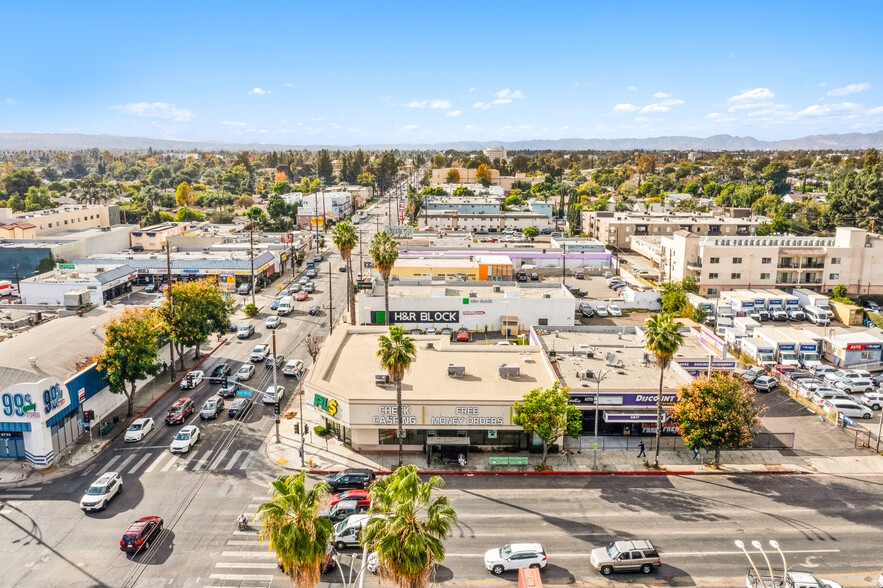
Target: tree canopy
point(548, 414)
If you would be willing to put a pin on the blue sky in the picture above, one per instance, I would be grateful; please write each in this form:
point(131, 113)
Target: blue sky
point(391, 72)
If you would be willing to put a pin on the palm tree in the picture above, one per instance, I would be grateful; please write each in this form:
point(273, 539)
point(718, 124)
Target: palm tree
point(663, 340)
point(409, 539)
point(396, 353)
point(384, 252)
point(291, 525)
point(345, 238)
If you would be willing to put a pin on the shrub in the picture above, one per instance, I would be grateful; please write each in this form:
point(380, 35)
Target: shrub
point(320, 430)
point(250, 310)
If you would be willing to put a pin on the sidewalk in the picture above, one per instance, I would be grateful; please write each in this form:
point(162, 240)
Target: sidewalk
point(321, 455)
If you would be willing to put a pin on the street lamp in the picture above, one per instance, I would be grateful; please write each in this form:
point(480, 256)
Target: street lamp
point(775, 545)
point(757, 545)
point(360, 577)
point(741, 546)
point(598, 377)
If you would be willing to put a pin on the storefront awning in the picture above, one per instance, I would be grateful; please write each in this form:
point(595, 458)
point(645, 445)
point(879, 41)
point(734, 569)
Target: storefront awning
point(631, 417)
point(447, 440)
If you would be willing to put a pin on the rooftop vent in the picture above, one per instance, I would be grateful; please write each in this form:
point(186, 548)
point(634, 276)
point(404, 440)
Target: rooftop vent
point(509, 371)
point(456, 371)
point(473, 294)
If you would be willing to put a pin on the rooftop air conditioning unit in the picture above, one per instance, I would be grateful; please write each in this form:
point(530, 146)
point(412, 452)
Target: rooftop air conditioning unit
point(473, 294)
point(456, 371)
point(497, 289)
point(381, 379)
point(509, 371)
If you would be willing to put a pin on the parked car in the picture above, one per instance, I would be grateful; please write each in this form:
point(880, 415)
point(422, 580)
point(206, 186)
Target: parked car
point(151, 288)
point(245, 372)
point(309, 287)
point(314, 310)
point(447, 331)
point(514, 556)
point(221, 370)
point(273, 322)
point(294, 367)
point(751, 374)
point(212, 408)
point(872, 399)
point(823, 394)
point(586, 310)
point(601, 310)
point(192, 380)
point(463, 334)
point(312, 273)
point(350, 479)
point(871, 305)
point(303, 280)
point(614, 310)
point(363, 497)
point(295, 288)
point(343, 510)
point(765, 383)
point(342, 269)
point(180, 411)
point(848, 408)
point(821, 369)
point(626, 556)
point(185, 439)
point(139, 429)
point(856, 385)
point(244, 331)
point(239, 407)
point(138, 536)
point(102, 491)
point(301, 296)
point(260, 352)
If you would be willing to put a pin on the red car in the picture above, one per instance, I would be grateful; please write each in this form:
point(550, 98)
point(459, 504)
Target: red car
point(180, 411)
point(362, 497)
point(463, 335)
point(786, 369)
point(302, 295)
point(140, 533)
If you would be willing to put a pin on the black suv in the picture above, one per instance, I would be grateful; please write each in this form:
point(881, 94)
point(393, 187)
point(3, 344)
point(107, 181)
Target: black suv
point(219, 372)
point(350, 479)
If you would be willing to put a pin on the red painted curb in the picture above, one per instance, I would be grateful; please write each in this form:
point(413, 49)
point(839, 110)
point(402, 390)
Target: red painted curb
point(588, 473)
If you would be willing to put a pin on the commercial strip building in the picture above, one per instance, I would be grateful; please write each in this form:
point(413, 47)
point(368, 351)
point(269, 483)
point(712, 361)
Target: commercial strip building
point(509, 310)
point(47, 379)
point(452, 220)
point(321, 205)
point(439, 178)
point(454, 394)
point(487, 205)
point(617, 229)
point(65, 218)
point(852, 257)
point(50, 288)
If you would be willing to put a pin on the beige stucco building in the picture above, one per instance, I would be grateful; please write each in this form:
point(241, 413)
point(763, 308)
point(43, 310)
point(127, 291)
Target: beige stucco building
point(154, 238)
point(65, 218)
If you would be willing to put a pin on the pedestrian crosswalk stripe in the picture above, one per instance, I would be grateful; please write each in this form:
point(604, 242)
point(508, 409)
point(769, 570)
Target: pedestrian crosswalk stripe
point(217, 459)
point(233, 459)
point(242, 577)
point(155, 463)
point(202, 460)
point(248, 459)
point(235, 543)
point(263, 554)
point(172, 462)
point(186, 459)
point(257, 565)
point(140, 463)
point(15, 496)
point(126, 462)
point(108, 465)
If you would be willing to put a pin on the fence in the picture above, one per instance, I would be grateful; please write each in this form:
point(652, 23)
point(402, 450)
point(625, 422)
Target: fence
point(765, 440)
point(868, 439)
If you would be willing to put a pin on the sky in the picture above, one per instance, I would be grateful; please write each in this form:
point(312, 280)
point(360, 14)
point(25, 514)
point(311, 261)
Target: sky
point(393, 72)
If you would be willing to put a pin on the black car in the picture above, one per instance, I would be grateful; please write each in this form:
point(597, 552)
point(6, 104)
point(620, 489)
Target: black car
point(239, 407)
point(871, 305)
point(350, 479)
point(342, 269)
point(151, 287)
point(219, 372)
point(314, 310)
point(586, 310)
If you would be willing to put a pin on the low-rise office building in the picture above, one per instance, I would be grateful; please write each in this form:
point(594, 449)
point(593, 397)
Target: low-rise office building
point(65, 218)
point(463, 205)
point(452, 220)
point(153, 238)
point(50, 288)
point(579, 254)
point(858, 349)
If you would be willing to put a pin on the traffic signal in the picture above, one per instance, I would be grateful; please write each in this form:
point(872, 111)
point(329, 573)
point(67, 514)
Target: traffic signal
point(224, 381)
point(276, 408)
point(88, 416)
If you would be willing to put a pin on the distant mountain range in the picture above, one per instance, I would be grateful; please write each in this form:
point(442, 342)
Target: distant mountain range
point(74, 141)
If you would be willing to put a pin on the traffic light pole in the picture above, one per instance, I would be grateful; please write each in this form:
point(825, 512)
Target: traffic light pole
point(276, 390)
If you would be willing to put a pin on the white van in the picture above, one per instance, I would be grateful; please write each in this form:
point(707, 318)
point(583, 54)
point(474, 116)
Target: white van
point(285, 306)
point(848, 408)
point(816, 315)
point(273, 396)
point(346, 532)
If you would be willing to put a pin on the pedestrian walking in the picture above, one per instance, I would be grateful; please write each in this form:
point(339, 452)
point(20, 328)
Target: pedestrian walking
point(695, 453)
point(641, 447)
point(165, 367)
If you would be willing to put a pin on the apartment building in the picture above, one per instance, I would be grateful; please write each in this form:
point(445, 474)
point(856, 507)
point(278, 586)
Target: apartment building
point(616, 229)
point(452, 220)
point(464, 205)
point(65, 218)
point(495, 153)
point(851, 257)
point(467, 176)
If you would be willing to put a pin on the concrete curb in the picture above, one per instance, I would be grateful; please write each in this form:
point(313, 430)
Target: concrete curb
point(80, 466)
point(560, 473)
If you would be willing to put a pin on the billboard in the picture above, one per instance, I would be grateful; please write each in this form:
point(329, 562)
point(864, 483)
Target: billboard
point(715, 345)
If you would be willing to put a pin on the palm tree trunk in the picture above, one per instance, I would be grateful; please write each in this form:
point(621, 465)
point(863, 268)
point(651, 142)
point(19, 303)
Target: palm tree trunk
point(399, 419)
point(658, 417)
point(350, 295)
point(386, 299)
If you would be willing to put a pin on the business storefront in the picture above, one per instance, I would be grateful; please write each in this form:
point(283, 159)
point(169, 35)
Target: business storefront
point(624, 414)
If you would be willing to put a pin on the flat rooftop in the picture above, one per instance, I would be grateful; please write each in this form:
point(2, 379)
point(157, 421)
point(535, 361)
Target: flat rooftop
point(348, 363)
point(635, 369)
point(483, 291)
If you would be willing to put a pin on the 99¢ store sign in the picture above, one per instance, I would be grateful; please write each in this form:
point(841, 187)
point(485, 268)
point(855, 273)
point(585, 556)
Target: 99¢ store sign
point(23, 405)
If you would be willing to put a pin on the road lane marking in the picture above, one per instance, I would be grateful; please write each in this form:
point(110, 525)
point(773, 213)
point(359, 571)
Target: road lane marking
point(233, 460)
point(140, 463)
point(205, 457)
point(156, 462)
point(242, 577)
point(738, 552)
point(107, 466)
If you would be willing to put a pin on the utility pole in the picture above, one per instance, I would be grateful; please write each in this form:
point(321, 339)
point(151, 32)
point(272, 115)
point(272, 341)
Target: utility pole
point(275, 389)
point(251, 258)
point(17, 282)
point(300, 383)
point(172, 377)
point(330, 300)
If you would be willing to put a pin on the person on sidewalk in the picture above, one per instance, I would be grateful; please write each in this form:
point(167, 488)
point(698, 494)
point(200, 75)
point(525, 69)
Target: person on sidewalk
point(695, 453)
point(641, 448)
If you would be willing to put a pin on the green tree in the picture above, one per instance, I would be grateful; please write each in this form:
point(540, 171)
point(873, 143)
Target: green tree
point(16, 203)
point(324, 168)
point(776, 177)
point(130, 352)
point(662, 339)
point(345, 238)
point(47, 264)
point(716, 412)
point(184, 195)
point(839, 294)
point(39, 198)
point(196, 310)
point(409, 537)
point(453, 176)
point(854, 199)
point(186, 215)
point(548, 414)
point(531, 232)
point(256, 215)
point(18, 181)
point(291, 525)
point(385, 170)
point(396, 352)
point(463, 192)
point(277, 207)
point(281, 188)
point(384, 252)
point(673, 297)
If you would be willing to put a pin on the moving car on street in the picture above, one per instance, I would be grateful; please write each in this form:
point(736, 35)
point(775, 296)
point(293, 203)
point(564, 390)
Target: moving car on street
point(363, 497)
point(212, 408)
point(102, 490)
point(294, 367)
point(139, 429)
point(140, 534)
point(301, 296)
point(626, 556)
point(180, 411)
point(219, 372)
point(514, 556)
point(185, 439)
point(260, 352)
point(244, 331)
point(245, 372)
point(192, 380)
point(273, 322)
point(239, 407)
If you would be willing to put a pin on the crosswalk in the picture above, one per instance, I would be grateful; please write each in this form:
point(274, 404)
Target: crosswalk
point(163, 461)
point(244, 561)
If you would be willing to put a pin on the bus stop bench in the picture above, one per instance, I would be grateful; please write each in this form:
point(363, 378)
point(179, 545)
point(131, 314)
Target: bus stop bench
point(513, 460)
point(519, 461)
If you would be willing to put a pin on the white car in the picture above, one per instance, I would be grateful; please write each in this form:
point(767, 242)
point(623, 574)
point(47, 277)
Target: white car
point(822, 369)
point(138, 429)
point(260, 352)
point(294, 367)
point(273, 322)
point(244, 373)
point(270, 397)
point(192, 380)
point(848, 408)
point(872, 399)
point(614, 310)
point(514, 556)
point(600, 310)
point(856, 385)
point(185, 439)
point(102, 491)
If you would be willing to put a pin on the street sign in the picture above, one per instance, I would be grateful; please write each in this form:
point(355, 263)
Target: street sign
point(847, 420)
point(311, 265)
point(243, 393)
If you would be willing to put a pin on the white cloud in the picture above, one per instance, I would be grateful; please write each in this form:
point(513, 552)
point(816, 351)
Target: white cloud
point(878, 110)
point(439, 104)
point(641, 119)
point(822, 84)
point(507, 93)
point(482, 105)
point(850, 89)
point(259, 91)
point(714, 115)
point(752, 95)
point(749, 106)
point(661, 95)
point(632, 89)
point(12, 101)
point(625, 108)
point(409, 128)
point(417, 104)
point(502, 101)
point(472, 89)
point(231, 123)
point(288, 84)
point(454, 113)
point(156, 110)
point(822, 110)
point(654, 108)
point(672, 102)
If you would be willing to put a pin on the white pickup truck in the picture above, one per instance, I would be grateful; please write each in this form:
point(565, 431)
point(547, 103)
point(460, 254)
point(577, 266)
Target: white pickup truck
point(789, 580)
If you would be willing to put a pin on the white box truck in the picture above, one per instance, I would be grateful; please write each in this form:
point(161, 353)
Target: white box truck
point(785, 347)
point(776, 304)
point(760, 352)
point(808, 348)
point(760, 312)
point(741, 305)
point(810, 298)
point(746, 323)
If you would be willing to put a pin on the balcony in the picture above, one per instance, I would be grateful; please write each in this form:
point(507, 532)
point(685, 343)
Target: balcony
point(694, 265)
point(786, 279)
point(810, 280)
point(788, 264)
point(813, 264)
